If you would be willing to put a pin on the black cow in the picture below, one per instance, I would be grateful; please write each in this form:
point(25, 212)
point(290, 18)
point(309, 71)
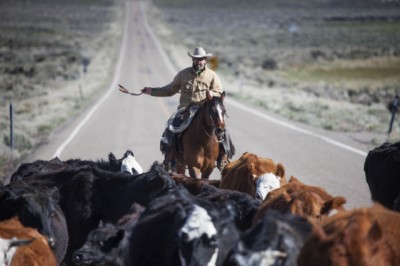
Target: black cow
point(275, 240)
point(180, 229)
point(89, 194)
point(55, 165)
point(113, 164)
point(396, 205)
point(36, 207)
point(107, 245)
point(38, 167)
point(382, 171)
point(245, 205)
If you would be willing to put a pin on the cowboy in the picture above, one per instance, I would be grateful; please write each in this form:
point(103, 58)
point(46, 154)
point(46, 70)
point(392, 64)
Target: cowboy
point(195, 84)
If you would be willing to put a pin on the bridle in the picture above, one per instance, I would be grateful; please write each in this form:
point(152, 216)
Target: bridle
point(214, 116)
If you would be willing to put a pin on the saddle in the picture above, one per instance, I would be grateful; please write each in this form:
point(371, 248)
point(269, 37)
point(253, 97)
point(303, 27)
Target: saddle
point(176, 124)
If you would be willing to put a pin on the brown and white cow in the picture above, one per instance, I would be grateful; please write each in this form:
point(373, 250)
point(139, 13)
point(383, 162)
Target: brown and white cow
point(254, 175)
point(301, 199)
point(32, 249)
point(364, 236)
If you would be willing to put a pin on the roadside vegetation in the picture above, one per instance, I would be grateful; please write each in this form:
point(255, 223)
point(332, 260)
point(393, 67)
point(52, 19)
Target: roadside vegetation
point(44, 48)
point(331, 64)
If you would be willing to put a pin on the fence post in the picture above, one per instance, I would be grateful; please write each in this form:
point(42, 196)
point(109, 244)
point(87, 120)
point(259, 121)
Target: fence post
point(394, 111)
point(11, 128)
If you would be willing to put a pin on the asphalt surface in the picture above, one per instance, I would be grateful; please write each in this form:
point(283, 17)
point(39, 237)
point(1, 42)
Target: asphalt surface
point(118, 122)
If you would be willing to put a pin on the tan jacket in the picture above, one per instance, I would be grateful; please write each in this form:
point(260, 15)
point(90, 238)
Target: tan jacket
point(192, 87)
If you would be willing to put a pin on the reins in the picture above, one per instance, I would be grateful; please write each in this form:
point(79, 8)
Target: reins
point(213, 127)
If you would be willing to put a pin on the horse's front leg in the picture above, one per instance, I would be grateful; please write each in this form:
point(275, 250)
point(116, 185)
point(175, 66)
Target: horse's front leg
point(207, 172)
point(194, 172)
point(180, 168)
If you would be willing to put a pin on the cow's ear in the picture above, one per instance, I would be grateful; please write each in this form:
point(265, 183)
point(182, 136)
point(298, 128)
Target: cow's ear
point(9, 204)
point(112, 159)
point(114, 241)
point(280, 170)
point(253, 169)
point(334, 203)
point(374, 233)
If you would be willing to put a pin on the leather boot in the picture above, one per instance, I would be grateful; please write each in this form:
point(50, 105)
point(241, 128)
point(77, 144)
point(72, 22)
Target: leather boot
point(222, 161)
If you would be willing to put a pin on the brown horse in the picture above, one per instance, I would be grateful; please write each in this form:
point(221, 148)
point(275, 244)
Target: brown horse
point(200, 141)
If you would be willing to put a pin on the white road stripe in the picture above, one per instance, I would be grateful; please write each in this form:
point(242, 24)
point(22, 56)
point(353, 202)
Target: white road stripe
point(293, 127)
point(110, 90)
point(173, 71)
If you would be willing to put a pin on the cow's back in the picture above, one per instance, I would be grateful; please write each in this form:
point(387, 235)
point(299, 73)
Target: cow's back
point(382, 171)
point(368, 236)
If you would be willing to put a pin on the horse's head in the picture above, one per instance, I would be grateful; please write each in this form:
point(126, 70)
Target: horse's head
point(217, 112)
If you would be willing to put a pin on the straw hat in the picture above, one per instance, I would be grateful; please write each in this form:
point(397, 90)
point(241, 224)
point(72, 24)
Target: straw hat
point(199, 52)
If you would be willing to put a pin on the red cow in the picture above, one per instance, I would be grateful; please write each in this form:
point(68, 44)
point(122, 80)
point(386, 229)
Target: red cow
point(34, 252)
point(360, 237)
point(301, 199)
point(254, 175)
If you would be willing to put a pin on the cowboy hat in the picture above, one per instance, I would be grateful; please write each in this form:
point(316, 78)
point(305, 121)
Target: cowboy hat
point(199, 52)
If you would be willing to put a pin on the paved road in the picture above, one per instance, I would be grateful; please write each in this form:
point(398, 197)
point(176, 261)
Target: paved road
point(118, 122)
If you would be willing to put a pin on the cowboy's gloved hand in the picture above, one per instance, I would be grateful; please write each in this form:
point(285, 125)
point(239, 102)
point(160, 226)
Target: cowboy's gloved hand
point(209, 95)
point(146, 90)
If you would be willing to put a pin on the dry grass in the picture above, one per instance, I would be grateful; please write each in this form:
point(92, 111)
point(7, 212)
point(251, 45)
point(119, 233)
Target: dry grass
point(331, 64)
point(42, 45)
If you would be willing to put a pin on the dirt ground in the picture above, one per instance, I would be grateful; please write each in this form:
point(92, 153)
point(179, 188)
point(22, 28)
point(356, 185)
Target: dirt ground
point(324, 63)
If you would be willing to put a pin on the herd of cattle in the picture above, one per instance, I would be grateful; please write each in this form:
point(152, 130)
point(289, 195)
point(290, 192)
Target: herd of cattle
point(79, 212)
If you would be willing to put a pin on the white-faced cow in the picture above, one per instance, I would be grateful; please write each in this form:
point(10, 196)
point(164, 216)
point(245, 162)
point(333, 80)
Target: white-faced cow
point(275, 240)
point(180, 229)
point(244, 205)
point(254, 175)
point(129, 164)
